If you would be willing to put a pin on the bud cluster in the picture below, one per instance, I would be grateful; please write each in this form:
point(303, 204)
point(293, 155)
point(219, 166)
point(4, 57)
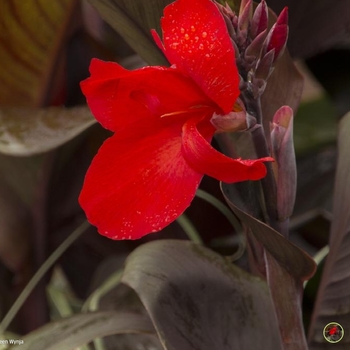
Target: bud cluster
point(257, 48)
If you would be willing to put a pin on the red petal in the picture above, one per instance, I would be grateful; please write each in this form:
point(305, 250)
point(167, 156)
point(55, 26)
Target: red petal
point(118, 97)
point(205, 159)
point(136, 186)
point(196, 40)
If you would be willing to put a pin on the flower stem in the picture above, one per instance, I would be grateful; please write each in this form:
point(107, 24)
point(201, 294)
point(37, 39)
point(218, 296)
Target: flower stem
point(92, 303)
point(268, 182)
point(189, 229)
point(221, 207)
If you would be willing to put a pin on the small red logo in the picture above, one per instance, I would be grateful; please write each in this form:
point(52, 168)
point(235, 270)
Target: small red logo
point(333, 332)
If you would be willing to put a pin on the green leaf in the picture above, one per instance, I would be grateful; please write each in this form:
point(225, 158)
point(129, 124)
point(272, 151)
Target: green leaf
point(31, 40)
point(133, 20)
point(81, 329)
point(25, 131)
point(199, 300)
point(332, 304)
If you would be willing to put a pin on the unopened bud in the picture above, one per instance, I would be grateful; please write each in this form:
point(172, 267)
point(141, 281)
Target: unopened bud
point(260, 20)
point(242, 6)
point(285, 165)
point(277, 36)
point(243, 22)
point(253, 50)
point(264, 66)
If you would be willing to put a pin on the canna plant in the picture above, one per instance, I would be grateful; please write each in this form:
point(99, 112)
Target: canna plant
point(217, 99)
point(147, 173)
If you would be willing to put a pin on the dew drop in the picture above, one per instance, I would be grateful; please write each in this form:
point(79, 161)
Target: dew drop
point(193, 29)
point(204, 34)
point(201, 46)
point(187, 36)
point(182, 30)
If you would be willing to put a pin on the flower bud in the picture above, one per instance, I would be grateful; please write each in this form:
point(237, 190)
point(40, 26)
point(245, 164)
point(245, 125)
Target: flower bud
point(277, 36)
point(254, 48)
point(243, 6)
point(264, 66)
point(243, 23)
point(260, 20)
point(285, 165)
point(262, 73)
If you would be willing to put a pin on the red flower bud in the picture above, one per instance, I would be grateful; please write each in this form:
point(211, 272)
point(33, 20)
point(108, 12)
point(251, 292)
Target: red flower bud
point(285, 165)
point(278, 35)
point(260, 20)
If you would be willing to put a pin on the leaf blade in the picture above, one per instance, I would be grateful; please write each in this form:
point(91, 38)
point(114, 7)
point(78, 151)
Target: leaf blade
point(80, 329)
point(332, 303)
point(133, 20)
point(25, 132)
point(34, 34)
point(198, 300)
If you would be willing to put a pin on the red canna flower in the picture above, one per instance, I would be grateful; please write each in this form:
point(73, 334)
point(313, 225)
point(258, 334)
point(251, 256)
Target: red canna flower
point(147, 173)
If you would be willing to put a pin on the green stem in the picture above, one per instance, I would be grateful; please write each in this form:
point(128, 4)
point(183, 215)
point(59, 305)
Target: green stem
point(92, 302)
point(230, 217)
point(40, 273)
point(189, 229)
point(221, 207)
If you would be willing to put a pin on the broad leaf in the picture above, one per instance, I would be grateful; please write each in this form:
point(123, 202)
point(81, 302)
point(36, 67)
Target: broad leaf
point(32, 35)
point(332, 304)
point(293, 259)
point(133, 20)
point(199, 300)
point(284, 265)
point(25, 131)
point(69, 333)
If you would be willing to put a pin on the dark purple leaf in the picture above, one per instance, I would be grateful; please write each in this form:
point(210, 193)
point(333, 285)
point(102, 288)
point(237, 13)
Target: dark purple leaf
point(199, 300)
point(284, 265)
point(332, 304)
